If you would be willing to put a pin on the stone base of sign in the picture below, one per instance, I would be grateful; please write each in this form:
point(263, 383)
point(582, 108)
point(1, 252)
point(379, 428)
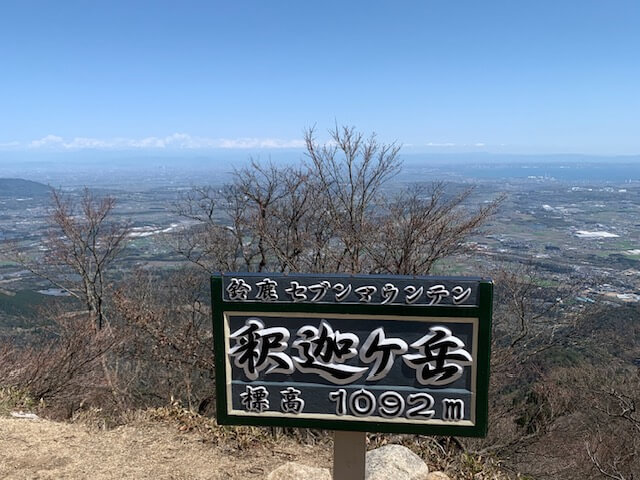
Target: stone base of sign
point(298, 471)
point(379, 464)
point(395, 462)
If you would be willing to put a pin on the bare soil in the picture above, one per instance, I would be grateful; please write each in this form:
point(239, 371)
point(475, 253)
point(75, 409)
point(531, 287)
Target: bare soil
point(43, 449)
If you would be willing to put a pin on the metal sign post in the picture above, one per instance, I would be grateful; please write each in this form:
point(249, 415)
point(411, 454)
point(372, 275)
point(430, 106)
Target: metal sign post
point(353, 354)
point(349, 451)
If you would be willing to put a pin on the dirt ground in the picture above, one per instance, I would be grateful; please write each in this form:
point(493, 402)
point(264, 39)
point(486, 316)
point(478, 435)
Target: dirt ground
point(42, 449)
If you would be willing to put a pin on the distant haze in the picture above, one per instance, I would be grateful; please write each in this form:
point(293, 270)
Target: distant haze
point(132, 169)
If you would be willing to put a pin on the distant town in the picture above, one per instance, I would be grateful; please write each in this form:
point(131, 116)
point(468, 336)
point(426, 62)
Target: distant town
point(580, 232)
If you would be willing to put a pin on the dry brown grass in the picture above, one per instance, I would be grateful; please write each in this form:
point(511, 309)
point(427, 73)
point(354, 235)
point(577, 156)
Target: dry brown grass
point(174, 443)
point(142, 449)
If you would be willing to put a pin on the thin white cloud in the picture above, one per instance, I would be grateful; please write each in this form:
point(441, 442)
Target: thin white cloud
point(184, 141)
point(48, 141)
point(260, 143)
point(435, 144)
point(175, 141)
point(450, 144)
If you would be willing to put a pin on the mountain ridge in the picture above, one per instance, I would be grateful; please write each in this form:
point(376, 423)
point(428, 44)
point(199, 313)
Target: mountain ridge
point(20, 187)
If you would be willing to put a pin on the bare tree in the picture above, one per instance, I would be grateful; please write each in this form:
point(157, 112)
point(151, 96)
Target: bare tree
point(64, 368)
point(524, 403)
point(168, 320)
point(351, 172)
point(261, 186)
point(80, 249)
point(293, 223)
point(421, 226)
point(528, 314)
point(613, 444)
point(214, 241)
point(332, 213)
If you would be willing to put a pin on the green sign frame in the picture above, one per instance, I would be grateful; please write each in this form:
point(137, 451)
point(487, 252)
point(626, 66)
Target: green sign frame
point(480, 309)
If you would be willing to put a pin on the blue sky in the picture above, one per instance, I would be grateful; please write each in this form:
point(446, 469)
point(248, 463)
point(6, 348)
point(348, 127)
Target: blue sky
point(498, 76)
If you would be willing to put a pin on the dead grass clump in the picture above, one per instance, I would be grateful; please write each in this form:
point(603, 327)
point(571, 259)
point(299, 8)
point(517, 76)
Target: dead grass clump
point(12, 399)
point(185, 420)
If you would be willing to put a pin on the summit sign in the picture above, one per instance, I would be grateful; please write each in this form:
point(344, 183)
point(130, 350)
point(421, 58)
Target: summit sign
point(362, 353)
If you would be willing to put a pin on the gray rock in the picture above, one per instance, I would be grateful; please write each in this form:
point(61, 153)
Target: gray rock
point(28, 416)
point(298, 471)
point(395, 462)
point(438, 476)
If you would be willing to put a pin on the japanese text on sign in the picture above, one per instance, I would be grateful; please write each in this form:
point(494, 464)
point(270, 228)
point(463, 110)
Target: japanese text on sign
point(377, 353)
point(438, 358)
point(350, 290)
point(305, 365)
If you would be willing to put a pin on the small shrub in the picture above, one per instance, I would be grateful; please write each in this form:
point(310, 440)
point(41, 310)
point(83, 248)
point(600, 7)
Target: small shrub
point(12, 398)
